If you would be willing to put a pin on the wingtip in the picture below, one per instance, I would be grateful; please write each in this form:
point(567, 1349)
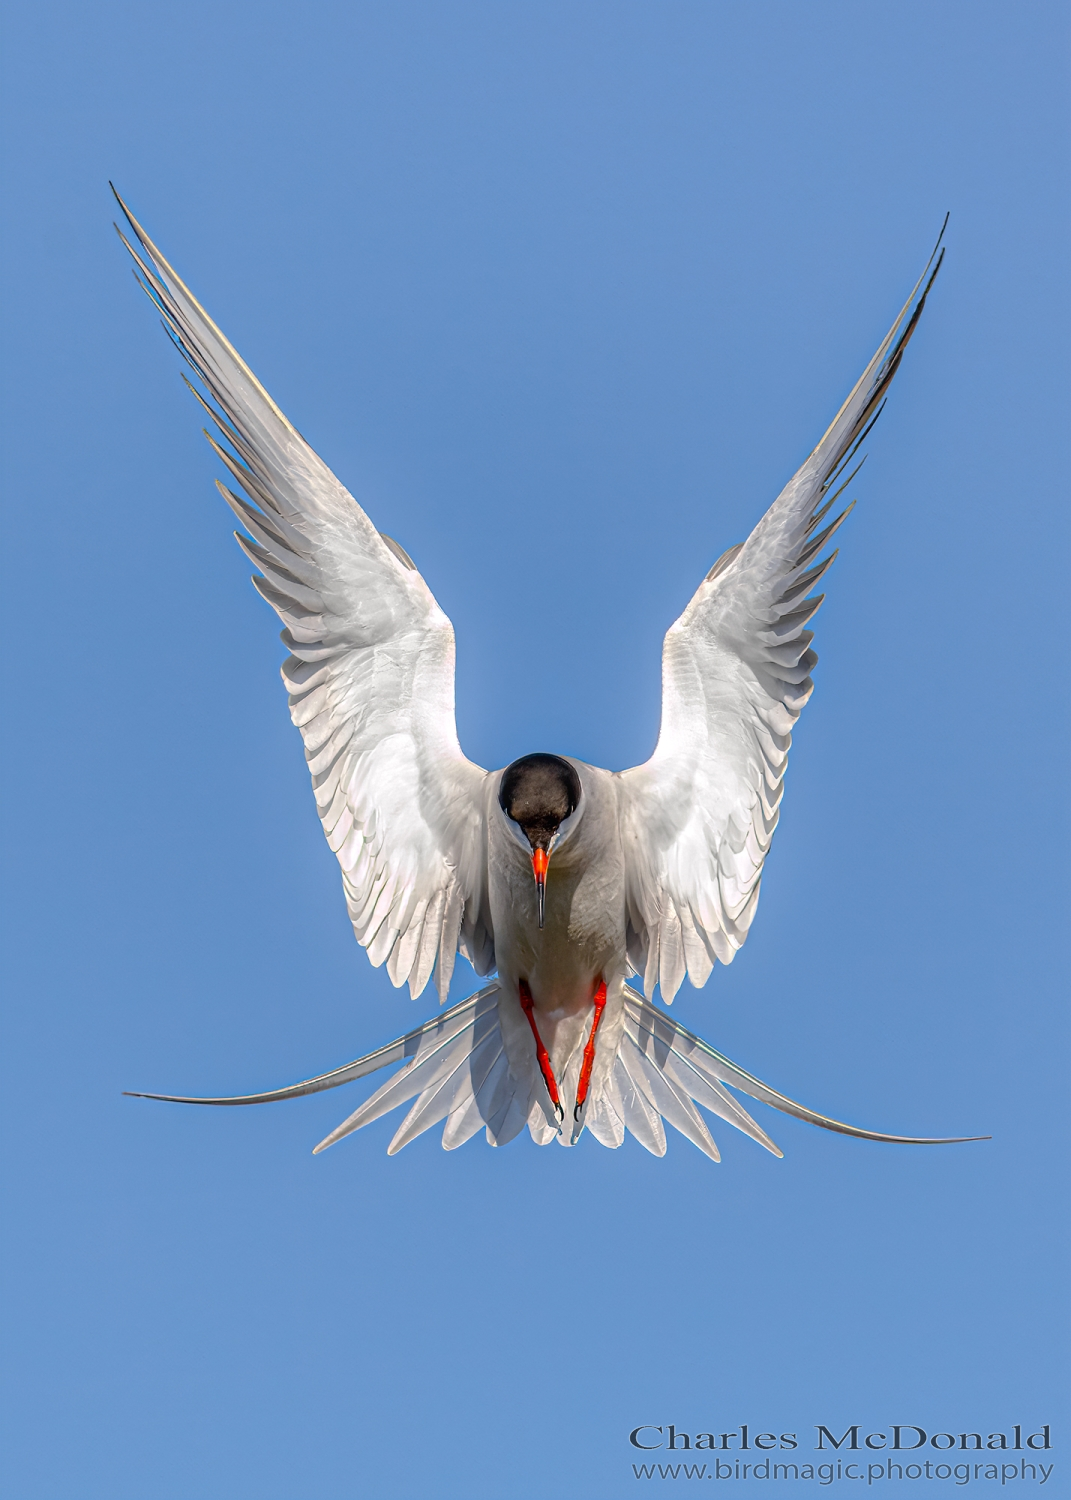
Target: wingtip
point(933, 277)
point(127, 215)
point(937, 247)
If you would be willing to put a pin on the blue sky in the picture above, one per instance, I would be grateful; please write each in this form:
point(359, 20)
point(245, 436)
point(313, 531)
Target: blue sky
point(564, 293)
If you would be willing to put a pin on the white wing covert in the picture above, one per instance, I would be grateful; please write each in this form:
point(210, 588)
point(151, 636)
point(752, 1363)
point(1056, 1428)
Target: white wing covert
point(698, 817)
point(370, 674)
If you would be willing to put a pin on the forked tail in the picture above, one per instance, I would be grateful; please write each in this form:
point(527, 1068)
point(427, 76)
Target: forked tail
point(455, 1069)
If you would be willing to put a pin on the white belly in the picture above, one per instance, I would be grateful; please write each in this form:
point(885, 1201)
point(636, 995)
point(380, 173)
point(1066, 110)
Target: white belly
point(582, 940)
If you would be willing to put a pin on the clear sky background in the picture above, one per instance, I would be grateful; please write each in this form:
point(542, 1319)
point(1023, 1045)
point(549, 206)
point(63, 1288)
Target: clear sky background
point(564, 293)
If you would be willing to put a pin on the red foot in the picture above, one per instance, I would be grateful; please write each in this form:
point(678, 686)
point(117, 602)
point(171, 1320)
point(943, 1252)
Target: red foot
point(542, 1055)
point(599, 1002)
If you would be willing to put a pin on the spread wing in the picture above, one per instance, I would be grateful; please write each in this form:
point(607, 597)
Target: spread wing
point(370, 674)
point(698, 817)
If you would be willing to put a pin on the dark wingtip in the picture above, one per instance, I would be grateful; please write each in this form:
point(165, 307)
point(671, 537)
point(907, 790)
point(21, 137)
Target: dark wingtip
point(938, 246)
point(118, 198)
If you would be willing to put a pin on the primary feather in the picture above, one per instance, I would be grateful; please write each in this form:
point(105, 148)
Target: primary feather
point(699, 816)
point(656, 869)
point(370, 673)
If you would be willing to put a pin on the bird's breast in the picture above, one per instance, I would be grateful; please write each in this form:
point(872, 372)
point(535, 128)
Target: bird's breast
point(582, 940)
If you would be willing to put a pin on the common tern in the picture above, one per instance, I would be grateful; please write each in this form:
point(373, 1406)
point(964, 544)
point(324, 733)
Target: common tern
point(560, 879)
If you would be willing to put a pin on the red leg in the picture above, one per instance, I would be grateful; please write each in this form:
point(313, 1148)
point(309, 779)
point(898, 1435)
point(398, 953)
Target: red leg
point(541, 1052)
point(588, 1063)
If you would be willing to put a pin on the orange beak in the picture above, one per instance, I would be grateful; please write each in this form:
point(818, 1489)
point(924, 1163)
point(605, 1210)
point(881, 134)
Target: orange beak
point(540, 861)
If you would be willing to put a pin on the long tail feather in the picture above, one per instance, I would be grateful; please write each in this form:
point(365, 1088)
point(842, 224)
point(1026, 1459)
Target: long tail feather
point(456, 1069)
point(718, 1069)
point(473, 1114)
point(448, 1024)
point(441, 1100)
point(671, 1103)
point(435, 1063)
point(707, 1092)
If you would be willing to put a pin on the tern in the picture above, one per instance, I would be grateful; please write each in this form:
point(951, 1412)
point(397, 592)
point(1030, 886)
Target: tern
point(559, 879)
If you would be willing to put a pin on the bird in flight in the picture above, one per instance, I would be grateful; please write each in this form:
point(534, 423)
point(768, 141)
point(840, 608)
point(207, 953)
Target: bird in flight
point(559, 879)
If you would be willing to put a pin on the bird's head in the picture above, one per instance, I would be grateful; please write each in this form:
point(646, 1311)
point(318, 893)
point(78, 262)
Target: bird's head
point(538, 793)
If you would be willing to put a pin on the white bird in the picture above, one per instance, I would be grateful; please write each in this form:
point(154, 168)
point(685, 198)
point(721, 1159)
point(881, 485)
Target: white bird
point(562, 879)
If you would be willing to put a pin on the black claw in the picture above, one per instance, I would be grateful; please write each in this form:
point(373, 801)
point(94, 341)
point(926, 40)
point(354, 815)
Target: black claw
point(559, 1112)
point(576, 1112)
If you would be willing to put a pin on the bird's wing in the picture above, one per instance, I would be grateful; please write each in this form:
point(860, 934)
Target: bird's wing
point(698, 817)
point(370, 674)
